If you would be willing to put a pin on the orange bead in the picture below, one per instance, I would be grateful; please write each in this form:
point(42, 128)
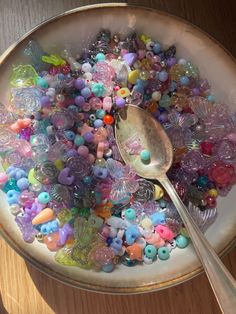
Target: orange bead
point(44, 216)
point(104, 210)
point(135, 252)
point(51, 241)
point(108, 119)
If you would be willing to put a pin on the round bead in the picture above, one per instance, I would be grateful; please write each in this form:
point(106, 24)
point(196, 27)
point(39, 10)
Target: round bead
point(31, 177)
point(108, 268)
point(86, 92)
point(87, 180)
point(44, 198)
point(130, 214)
point(79, 140)
point(163, 253)
point(108, 119)
point(163, 76)
point(98, 123)
point(156, 96)
point(202, 181)
point(150, 251)
point(23, 184)
point(210, 201)
point(157, 47)
point(86, 67)
point(147, 260)
point(120, 102)
point(100, 113)
point(181, 241)
point(79, 100)
point(41, 82)
point(145, 155)
point(79, 84)
point(184, 80)
point(70, 135)
point(213, 193)
point(100, 57)
point(83, 151)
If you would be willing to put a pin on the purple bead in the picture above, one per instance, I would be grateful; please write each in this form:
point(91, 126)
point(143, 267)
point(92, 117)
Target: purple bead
point(120, 102)
point(71, 153)
point(130, 58)
point(79, 100)
point(79, 84)
point(88, 136)
point(163, 117)
point(45, 101)
point(64, 233)
point(193, 161)
point(25, 134)
point(65, 177)
point(26, 228)
point(196, 91)
point(171, 61)
point(98, 123)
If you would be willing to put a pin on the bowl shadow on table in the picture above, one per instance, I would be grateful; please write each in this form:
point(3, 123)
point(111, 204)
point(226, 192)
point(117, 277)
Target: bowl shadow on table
point(2, 308)
point(191, 297)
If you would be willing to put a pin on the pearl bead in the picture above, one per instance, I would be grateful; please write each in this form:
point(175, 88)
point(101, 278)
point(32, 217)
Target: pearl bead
point(156, 96)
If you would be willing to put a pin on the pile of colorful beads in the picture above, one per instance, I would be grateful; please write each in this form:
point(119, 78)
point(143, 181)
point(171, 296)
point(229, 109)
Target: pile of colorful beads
point(62, 172)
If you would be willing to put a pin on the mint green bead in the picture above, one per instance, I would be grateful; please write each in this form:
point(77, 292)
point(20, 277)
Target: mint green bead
point(130, 214)
point(79, 140)
point(44, 198)
point(145, 155)
point(41, 82)
point(100, 57)
point(181, 241)
point(165, 101)
point(163, 253)
point(150, 251)
point(100, 113)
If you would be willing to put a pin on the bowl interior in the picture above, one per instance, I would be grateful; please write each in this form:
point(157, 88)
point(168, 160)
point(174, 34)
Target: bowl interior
point(75, 30)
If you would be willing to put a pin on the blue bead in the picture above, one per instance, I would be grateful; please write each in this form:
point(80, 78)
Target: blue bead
point(145, 155)
point(12, 197)
point(98, 123)
point(181, 241)
point(86, 92)
point(87, 180)
point(23, 184)
point(173, 86)
point(44, 198)
point(109, 241)
point(116, 245)
point(11, 184)
point(211, 98)
point(100, 113)
point(108, 268)
point(100, 57)
point(131, 234)
point(49, 227)
point(79, 140)
point(70, 135)
point(163, 253)
point(130, 214)
point(158, 218)
point(157, 48)
point(163, 76)
point(184, 80)
point(202, 181)
point(100, 172)
point(150, 251)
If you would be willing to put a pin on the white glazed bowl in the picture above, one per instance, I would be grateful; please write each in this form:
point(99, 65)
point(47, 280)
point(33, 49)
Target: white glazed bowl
point(78, 28)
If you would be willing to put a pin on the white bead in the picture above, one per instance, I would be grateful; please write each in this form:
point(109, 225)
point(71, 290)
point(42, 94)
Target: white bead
point(15, 209)
point(156, 96)
point(182, 61)
point(116, 222)
point(168, 246)
point(88, 76)
point(147, 260)
point(86, 67)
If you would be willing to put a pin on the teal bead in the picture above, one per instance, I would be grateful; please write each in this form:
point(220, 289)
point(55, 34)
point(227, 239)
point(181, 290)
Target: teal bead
point(130, 214)
point(87, 180)
point(162, 203)
point(79, 140)
point(11, 184)
point(163, 253)
point(150, 251)
point(125, 260)
point(211, 98)
point(165, 101)
point(100, 113)
point(41, 82)
point(181, 241)
point(100, 57)
point(145, 155)
point(98, 89)
point(44, 198)
point(202, 181)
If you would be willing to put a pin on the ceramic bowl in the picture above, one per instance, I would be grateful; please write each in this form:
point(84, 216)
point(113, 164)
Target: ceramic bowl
point(77, 28)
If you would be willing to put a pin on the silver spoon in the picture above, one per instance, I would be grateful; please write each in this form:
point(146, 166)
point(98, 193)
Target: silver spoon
point(133, 120)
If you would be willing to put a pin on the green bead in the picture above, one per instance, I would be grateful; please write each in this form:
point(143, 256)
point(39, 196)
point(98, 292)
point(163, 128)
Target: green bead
point(10, 185)
point(74, 211)
point(64, 216)
point(100, 113)
point(130, 214)
point(84, 212)
point(41, 82)
point(79, 140)
point(145, 155)
point(165, 101)
point(31, 177)
point(150, 251)
point(182, 241)
point(23, 76)
point(100, 57)
point(44, 198)
point(163, 253)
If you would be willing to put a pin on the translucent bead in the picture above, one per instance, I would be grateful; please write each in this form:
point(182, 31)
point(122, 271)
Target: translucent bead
point(145, 191)
point(177, 71)
point(26, 100)
point(46, 172)
point(62, 120)
point(79, 166)
point(63, 256)
point(23, 76)
point(60, 193)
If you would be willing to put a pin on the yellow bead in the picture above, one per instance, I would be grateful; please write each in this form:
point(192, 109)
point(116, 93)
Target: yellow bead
point(31, 177)
point(64, 216)
point(145, 39)
point(59, 164)
point(23, 76)
point(184, 232)
point(213, 192)
point(144, 75)
point(159, 192)
point(146, 223)
point(53, 59)
point(177, 71)
point(123, 92)
point(133, 76)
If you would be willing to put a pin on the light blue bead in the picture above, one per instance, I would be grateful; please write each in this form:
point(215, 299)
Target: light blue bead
point(23, 184)
point(157, 48)
point(100, 57)
point(139, 89)
point(116, 245)
point(163, 253)
point(86, 92)
point(98, 123)
point(157, 218)
point(79, 140)
point(163, 76)
point(100, 113)
point(181, 241)
point(44, 198)
point(145, 155)
point(130, 214)
point(41, 82)
point(150, 251)
point(184, 80)
point(162, 203)
point(49, 227)
point(70, 135)
point(100, 172)
point(131, 234)
point(12, 197)
point(108, 268)
point(173, 86)
point(87, 180)
point(211, 98)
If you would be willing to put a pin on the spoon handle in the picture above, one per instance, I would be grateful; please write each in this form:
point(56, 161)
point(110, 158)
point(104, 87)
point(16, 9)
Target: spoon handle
point(222, 282)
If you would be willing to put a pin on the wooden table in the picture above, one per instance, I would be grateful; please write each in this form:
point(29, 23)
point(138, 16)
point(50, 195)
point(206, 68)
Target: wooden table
point(25, 290)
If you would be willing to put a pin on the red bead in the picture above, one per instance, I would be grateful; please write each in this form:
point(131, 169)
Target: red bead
point(211, 201)
point(206, 148)
point(108, 119)
point(222, 174)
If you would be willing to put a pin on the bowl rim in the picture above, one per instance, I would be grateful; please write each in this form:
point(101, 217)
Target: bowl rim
point(56, 275)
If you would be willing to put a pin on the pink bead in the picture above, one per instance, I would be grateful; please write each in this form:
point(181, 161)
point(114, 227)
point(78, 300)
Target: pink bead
point(123, 52)
point(165, 232)
point(3, 178)
point(107, 104)
point(83, 151)
point(86, 107)
point(155, 240)
point(105, 232)
point(95, 103)
point(91, 158)
point(106, 145)
point(100, 135)
point(100, 150)
point(231, 137)
point(141, 54)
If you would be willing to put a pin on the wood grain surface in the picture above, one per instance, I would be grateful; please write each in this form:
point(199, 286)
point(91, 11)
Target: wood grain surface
point(23, 289)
